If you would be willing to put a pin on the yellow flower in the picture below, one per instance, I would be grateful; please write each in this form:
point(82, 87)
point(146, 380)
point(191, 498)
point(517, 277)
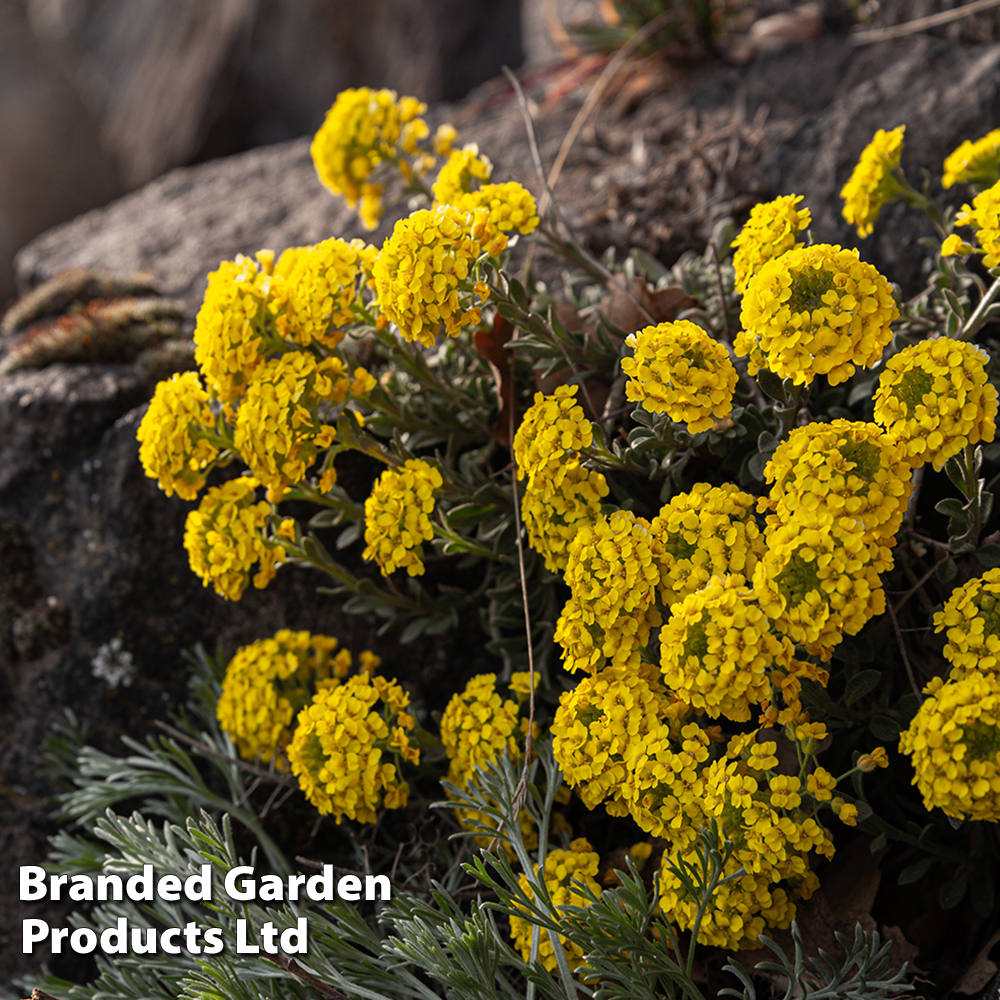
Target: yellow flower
point(976, 162)
point(869, 761)
point(224, 538)
point(717, 648)
point(846, 469)
point(322, 288)
point(580, 863)
point(818, 581)
point(678, 369)
point(279, 430)
point(553, 515)
point(364, 128)
point(709, 531)
point(954, 740)
point(846, 812)
point(445, 135)
point(972, 618)
point(984, 217)
point(343, 743)
point(233, 325)
point(872, 183)
point(177, 441)
point(601, 724)
point(456, 177)
point(269, 682)
point(770, 231)
point(424, 270)
point(934, 399)
point(954, 246)
point(396, 516)
point(612, 580)
point(816, 310)
point(820, 784)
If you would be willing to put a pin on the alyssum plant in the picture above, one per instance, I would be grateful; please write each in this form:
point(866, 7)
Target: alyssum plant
point(714, 515)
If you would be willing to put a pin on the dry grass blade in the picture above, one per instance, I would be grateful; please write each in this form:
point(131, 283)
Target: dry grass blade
point(921, 23)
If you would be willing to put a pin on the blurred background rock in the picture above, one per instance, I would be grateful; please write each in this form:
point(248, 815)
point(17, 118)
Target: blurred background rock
point(97, 97)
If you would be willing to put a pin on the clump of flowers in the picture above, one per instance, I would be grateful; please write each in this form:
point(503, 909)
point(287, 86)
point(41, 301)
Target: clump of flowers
point(984, 217)
point(706, 532)
point(844, 468)
point(771, 231)
point(279, 427)
point(816, 310)
point(974, 162)
point(363, 129)
point(459, 174)
point(954, 740)
point(397, 520)
point(423, 273)
point(873, 183)
point(511, 206)
point(177, 440)
point(580, 863)
point(234, 325)
point(602, 723)
point(478, 725)
point(612, 579)
point(678, 369)
point(554, 514)
point(818, 580)
point(270, 681)
point(349, 745)
point(323, 293)
point(972, 618)
point(550, 437)
point(934, 399)
point(224, 538)
point(717, 650)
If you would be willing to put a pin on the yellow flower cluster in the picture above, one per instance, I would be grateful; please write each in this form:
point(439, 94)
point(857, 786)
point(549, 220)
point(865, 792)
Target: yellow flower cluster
point(322, 287)
point(771, 231)
point(462, 168)
point(846, 469)
point(510, 206)
point(872, 183)
point(554, 514)
point(602, 723)
point(397, 521)
point(934, 399)
point(974, 162)
point(984, 217)
point(671, 791)
point(972, 618)
point(816, 310)
point(819, 580)
point(232, 326)
point(423, 271)
point(342, 745)
point(717, 650)
point(551, 435)
point(709, 531)
point(364, 128)
point(954, 740)
point(580, 863)
point(678, 369)
point(269, 682)
point(612, 579)
point(279, 430)
point(176, 436)
point(477, 726)
point(224, 538)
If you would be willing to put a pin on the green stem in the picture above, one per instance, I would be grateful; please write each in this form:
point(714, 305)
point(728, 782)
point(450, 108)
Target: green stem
point(976, 320)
